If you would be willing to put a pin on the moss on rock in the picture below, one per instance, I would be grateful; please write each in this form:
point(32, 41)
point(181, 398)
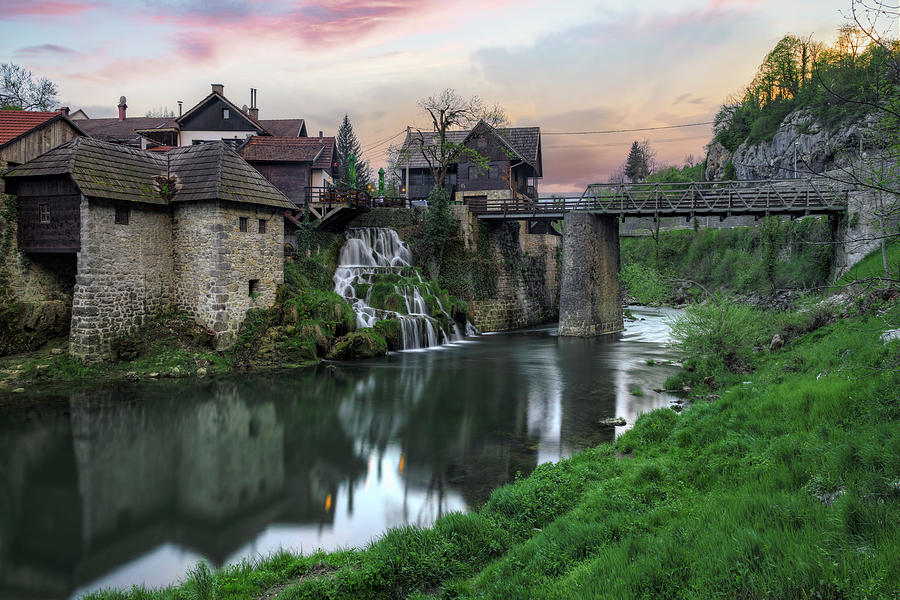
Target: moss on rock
point(363, 343)
point(392, 332)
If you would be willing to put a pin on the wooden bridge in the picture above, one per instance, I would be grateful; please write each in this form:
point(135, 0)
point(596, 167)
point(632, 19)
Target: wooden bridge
point(793, 197)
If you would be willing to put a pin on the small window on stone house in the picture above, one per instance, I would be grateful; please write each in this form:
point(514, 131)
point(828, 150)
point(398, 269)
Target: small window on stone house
point(225, 113)
point(262, 225)
point(253, 288)
point(122, 215)
point(44, 210)
point(242, 224)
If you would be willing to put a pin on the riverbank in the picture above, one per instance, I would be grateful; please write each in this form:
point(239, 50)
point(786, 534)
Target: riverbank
point(309, 322)
point(785, 482)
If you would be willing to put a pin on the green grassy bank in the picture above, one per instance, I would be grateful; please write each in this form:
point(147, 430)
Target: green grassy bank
point(780, 480)
point(775, 255)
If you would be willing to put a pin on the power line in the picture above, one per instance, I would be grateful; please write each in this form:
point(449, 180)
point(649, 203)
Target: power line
point(384, 140)
point(626, 130)
point(619, 145)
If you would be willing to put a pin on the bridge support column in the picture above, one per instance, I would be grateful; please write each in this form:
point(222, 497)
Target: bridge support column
point(590, 301)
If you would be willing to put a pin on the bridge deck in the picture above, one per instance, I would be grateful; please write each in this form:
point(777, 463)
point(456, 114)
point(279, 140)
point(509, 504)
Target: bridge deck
point(722, 198)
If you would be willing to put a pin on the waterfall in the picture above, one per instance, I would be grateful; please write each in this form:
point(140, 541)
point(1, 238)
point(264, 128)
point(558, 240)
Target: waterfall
point(376, 255)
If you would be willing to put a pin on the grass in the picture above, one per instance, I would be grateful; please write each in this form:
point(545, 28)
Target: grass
point(872, 265)
point(786, 487)
point(741, 260)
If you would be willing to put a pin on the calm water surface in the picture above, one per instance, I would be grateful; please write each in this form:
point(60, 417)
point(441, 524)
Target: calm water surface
point(133, 484)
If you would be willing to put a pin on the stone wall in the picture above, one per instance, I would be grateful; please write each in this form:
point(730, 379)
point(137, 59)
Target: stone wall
point(591, 298)
point(527, 267)
point(222, 272)
point(860, 232)
point(124, 275)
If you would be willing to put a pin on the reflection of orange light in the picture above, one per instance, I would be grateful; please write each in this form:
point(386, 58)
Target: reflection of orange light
point(402, 463)
point(328, 502)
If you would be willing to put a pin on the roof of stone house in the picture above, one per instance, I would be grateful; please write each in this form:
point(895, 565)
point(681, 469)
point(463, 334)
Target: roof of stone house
point(213, 171)
point(317, 150)
point(112, 171)
point(16, 123)
point(524, 142)
point(292, 128)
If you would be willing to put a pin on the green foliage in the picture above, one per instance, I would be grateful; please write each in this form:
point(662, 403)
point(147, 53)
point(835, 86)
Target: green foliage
point(636, 165)
point(362, 343)
point(645, 284)
point(345, 145)
point(439, 228)
point(684, 174)
point(720, 332)
point(837, 85)
point(782, 254)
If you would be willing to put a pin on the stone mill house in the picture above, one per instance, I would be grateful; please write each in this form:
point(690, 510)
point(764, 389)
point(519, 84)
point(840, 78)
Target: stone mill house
point(195, 228)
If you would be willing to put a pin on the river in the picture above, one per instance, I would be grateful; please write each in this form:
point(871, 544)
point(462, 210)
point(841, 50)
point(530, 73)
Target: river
point(134, 483)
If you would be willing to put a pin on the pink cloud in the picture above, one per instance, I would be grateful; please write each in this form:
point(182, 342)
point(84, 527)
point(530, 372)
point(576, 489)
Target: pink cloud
point(45, 8)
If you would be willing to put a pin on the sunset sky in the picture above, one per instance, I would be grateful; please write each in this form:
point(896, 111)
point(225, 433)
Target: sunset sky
point(565, 66)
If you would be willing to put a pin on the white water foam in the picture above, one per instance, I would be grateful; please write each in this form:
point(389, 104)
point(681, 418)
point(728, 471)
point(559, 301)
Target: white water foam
point(373, 251)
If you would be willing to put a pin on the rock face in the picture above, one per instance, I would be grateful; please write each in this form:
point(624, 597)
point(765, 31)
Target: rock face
point(817, 149)
point(716, 160)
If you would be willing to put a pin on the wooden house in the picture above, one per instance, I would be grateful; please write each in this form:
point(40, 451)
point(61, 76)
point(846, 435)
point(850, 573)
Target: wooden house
point(27, 134)
point(300, 167)
point(513, 157)
point(195, 228)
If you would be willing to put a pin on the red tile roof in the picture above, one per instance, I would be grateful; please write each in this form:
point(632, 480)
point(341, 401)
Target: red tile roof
point(319, 151)
point(14, 123)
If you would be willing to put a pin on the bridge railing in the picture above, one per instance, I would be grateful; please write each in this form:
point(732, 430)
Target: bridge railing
point(722, 197)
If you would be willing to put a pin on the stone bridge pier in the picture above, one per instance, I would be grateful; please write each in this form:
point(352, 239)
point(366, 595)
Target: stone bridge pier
point(590, 300)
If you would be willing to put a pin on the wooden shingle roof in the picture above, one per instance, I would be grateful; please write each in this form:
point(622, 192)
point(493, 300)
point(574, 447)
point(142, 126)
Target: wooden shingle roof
point(213, 171)
point(100, 169)
point(115, 172)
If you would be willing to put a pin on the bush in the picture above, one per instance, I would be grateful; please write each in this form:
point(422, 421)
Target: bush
point(645, 284)
point(721, 333)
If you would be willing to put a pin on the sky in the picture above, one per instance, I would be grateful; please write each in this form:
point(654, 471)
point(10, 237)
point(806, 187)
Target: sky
point(564, 66)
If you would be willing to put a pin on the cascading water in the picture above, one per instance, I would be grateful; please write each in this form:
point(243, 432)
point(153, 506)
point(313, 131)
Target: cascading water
point(375, 256)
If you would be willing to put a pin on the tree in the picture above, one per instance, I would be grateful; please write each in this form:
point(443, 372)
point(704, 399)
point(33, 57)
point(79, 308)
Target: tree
point(19, 89)
point(163, 112)
point(448, 111)
point(347, 144)
point(636, 167)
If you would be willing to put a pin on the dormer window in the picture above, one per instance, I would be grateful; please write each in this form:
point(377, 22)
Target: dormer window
point(225, 113)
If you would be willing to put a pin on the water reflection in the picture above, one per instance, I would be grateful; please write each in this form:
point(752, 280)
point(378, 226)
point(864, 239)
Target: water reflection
point(133, 484)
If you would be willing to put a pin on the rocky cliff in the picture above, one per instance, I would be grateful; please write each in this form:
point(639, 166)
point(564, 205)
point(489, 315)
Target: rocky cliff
point(817, 149)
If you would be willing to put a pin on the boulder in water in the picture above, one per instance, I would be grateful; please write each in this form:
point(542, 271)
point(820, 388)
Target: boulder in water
point(362, 343)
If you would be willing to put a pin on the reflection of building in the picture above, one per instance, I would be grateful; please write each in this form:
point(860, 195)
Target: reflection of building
point(112, 480)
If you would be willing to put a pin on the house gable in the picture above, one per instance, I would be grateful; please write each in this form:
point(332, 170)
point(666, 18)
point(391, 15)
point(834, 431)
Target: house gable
point(210, 115)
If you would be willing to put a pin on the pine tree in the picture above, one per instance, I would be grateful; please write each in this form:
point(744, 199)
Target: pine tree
point(348, 144)
point(636, 167)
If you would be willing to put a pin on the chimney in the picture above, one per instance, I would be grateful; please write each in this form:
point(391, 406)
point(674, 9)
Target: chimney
point(64, 110)
point(253, 111)
point(122, 107)
point(320, 133)
point(179, 107)
point(218, 88)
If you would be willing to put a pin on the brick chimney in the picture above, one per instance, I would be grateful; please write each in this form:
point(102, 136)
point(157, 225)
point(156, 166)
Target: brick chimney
point(64, 110)
point(122, 107)
point(218, 88)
